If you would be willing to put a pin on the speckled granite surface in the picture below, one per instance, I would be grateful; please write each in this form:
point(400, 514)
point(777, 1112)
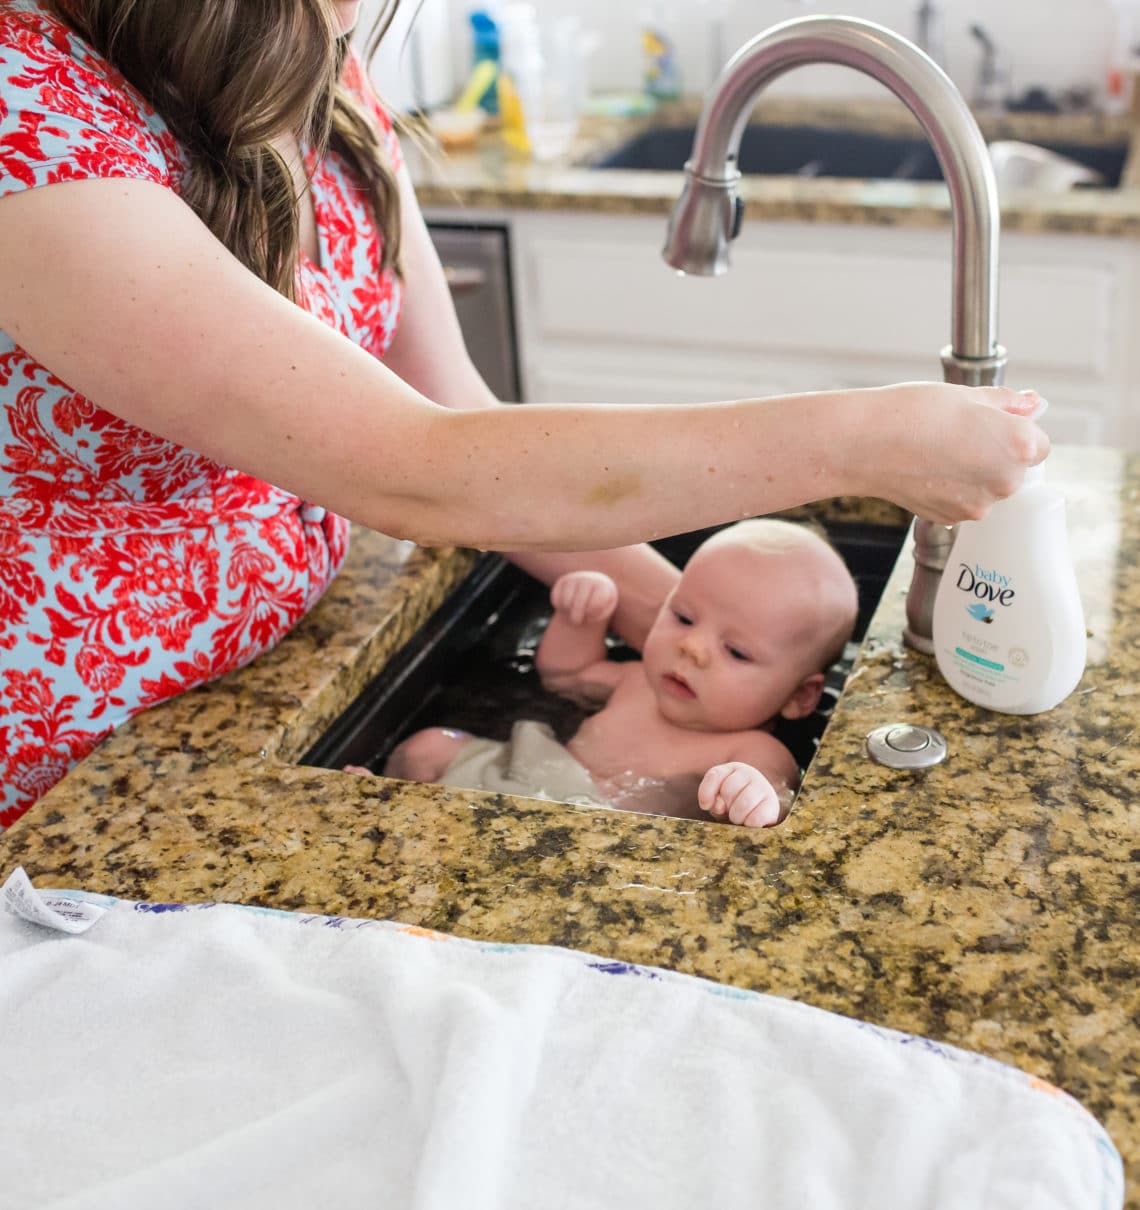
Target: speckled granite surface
point(991, 902)
point(492, 178)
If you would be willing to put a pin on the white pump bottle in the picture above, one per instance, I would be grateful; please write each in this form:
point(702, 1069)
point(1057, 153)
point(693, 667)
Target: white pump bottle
point(1009, 631)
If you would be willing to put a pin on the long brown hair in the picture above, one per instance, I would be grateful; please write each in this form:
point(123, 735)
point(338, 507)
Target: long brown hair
point(230, 75)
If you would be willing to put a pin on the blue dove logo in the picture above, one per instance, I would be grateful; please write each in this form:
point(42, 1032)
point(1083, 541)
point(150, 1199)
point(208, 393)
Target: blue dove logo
point(980, 613)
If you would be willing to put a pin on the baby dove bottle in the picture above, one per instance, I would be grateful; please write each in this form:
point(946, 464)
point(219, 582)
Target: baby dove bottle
point(1009, 631)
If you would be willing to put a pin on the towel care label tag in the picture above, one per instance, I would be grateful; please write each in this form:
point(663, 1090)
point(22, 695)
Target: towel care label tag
point(50, 911)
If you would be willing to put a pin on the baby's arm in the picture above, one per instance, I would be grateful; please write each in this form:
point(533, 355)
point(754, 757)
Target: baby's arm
point(755, 786)
point(571, 658)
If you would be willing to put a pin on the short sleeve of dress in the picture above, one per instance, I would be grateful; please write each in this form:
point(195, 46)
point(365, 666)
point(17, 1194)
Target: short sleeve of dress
point(354, 76)
point(65, 115)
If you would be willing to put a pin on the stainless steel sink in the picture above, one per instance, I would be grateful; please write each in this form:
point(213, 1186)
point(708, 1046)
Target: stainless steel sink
point(472, 665)
point(830, 152)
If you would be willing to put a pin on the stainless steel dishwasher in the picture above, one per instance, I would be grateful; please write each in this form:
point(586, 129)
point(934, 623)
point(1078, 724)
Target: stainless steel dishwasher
point(476, 262)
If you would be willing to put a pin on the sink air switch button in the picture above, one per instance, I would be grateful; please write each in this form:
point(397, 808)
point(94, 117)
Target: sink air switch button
point(908, 739)
point(905, 746)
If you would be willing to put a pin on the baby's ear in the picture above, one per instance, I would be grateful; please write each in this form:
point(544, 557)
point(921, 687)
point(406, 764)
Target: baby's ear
point(805, 697)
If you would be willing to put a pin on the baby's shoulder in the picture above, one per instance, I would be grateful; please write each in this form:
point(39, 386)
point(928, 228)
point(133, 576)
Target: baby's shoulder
point(626, 676)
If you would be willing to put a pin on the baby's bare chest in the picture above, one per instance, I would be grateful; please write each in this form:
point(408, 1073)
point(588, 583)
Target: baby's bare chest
point(629, 736)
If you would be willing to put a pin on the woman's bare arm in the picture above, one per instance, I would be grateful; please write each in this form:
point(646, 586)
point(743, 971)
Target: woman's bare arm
point(428, 353)
point(121, 291)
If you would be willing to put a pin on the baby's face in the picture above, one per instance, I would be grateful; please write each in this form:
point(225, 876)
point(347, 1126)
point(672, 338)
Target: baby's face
point(730, 646)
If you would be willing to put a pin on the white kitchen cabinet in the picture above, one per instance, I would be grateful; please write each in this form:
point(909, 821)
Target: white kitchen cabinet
point(813, 306)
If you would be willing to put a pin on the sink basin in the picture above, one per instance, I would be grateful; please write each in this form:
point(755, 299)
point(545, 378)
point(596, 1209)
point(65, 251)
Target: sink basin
point(472, 664)
point(831, 152)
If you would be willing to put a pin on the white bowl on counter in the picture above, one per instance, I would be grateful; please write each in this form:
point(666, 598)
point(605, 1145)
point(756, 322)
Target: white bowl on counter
point(1027, 166)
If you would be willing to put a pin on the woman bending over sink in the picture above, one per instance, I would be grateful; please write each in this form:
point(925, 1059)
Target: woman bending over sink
point(224, 332)
point(762, 610)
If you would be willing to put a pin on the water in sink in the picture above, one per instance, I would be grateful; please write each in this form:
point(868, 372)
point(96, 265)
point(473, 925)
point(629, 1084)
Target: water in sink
point(472, 665)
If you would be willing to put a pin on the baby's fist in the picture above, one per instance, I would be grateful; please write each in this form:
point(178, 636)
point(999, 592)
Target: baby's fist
point(585, 597)
point(742, 793)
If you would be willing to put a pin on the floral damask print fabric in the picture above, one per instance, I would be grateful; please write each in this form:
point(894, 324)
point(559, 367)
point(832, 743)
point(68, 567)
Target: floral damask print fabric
point(131, 568)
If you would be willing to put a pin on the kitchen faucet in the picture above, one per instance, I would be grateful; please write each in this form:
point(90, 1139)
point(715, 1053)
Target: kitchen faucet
point(993, 77)
point(707, 216)
point(928, 33)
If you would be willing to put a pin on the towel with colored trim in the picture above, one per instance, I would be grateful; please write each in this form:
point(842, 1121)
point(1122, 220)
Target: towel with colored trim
point(177, 1057)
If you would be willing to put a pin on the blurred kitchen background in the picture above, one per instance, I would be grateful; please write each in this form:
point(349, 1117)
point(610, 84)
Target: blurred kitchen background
point(842, 269)
point(1066, 47)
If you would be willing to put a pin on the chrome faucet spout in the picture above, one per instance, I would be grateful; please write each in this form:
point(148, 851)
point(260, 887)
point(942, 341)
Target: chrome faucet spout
point(708, 213)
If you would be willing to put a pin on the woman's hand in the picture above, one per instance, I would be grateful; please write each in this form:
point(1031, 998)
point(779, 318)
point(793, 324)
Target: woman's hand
point(947, 453)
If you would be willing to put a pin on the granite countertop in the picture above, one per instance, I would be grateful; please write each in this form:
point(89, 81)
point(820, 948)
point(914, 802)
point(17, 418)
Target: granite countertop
point(990, 902)
point(491, 177)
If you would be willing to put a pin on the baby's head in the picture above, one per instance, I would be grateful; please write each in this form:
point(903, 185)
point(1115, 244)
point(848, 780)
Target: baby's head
point(763, 608)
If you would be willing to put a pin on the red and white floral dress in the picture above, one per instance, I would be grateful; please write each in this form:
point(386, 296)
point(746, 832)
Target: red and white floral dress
point(132, 568)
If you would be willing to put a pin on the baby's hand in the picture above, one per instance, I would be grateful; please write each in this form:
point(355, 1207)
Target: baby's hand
point(585, 597)
point(742, 793)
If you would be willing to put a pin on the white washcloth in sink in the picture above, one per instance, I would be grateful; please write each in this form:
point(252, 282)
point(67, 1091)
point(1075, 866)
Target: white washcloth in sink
point(219, 1057)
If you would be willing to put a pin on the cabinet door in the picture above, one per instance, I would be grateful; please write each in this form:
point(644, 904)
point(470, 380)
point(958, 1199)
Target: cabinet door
point(476, 263)
point(816, 307)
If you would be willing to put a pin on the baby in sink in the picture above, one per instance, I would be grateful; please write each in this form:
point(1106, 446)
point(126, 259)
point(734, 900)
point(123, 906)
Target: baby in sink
point(761, 611)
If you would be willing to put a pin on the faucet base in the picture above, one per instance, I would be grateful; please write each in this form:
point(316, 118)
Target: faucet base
point(974, 371)
point(932, 542)
point(917, 642)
